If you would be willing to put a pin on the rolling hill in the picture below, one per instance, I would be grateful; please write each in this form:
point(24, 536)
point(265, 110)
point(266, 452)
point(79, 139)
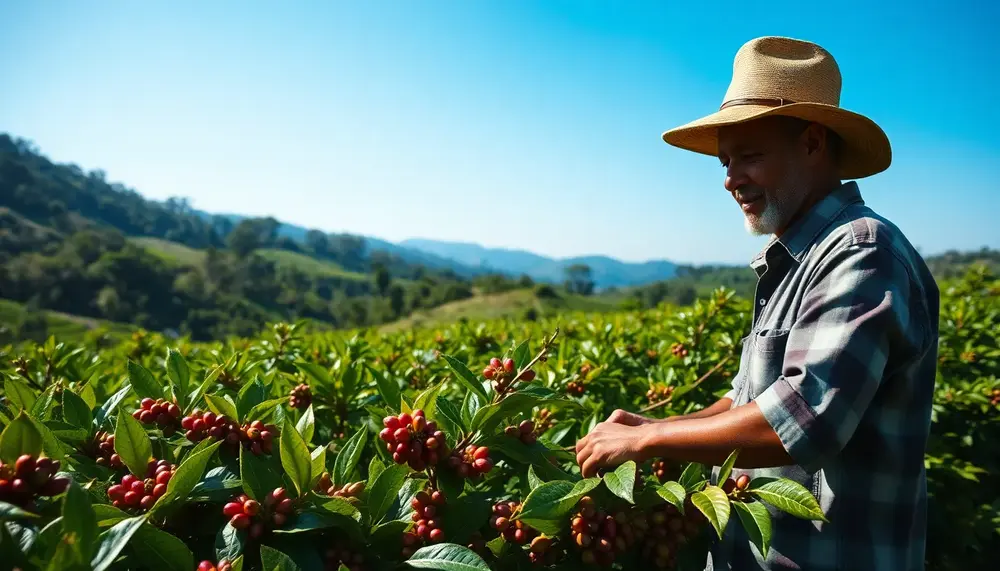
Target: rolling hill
point(606, 272)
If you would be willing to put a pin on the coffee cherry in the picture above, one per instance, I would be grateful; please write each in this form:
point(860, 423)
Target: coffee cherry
point(141, 494)
point(743, 482)
point(300, 397)
point(426, 517)
point(471, 462)
point(412, 440)
point(160, 412)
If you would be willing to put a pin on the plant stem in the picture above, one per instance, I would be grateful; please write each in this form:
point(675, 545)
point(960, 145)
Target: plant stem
point(702, 378)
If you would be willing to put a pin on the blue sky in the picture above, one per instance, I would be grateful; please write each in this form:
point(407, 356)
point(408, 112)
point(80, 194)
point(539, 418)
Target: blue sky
point(523, 124)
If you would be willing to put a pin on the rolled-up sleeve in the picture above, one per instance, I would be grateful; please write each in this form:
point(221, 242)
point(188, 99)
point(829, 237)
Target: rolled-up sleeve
point(855, 309)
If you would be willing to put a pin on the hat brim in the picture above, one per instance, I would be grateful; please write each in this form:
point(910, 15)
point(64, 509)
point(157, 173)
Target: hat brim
point(866, 150)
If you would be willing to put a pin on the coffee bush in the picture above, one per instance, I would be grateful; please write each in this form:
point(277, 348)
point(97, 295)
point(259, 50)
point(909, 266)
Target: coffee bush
point(441, 449)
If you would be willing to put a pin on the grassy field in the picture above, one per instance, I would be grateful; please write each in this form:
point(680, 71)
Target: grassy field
point(511, 304)
point(310, 265)
point(171, 251)
point(63, 325)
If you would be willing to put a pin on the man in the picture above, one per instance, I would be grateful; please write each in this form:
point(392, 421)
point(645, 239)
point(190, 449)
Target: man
point(836, 375)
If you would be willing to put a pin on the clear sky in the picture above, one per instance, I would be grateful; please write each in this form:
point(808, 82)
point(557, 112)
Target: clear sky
point(517, 123)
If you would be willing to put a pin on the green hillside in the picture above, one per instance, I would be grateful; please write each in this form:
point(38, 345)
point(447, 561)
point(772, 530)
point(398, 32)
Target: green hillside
point(64, 326)
point(310, 265)
point(515, 304)
point(171, 251)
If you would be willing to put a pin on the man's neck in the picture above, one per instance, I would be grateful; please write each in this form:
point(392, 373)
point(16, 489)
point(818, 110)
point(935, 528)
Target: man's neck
point(815, 194)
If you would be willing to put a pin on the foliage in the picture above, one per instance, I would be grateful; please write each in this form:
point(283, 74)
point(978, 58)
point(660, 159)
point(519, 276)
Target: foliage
point(308, 468)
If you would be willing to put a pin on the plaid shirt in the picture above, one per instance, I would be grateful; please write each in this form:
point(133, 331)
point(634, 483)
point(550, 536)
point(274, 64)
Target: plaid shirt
point(841, 359)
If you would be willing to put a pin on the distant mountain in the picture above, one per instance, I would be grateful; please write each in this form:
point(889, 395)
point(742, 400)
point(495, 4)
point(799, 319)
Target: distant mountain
point(606, 272)
point(410, 255)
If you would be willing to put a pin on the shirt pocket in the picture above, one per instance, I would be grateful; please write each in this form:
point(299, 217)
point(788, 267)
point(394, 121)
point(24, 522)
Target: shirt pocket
point(768, 359)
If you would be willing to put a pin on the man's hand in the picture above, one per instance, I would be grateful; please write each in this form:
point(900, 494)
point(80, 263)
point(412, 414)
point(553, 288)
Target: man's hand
point(609, 444)
point(628, 418)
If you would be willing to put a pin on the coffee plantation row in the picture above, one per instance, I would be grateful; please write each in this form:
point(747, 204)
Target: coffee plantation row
point(443, 449)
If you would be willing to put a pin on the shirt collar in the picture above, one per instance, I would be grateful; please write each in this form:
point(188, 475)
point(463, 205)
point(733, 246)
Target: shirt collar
point(800, 235)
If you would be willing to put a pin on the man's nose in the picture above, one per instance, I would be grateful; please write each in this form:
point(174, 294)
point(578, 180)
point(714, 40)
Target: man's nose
point(734, 180)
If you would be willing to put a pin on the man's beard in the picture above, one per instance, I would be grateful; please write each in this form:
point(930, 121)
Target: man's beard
point(780, 205)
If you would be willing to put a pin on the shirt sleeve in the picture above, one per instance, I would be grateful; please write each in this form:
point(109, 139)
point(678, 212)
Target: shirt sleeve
point(856, 309)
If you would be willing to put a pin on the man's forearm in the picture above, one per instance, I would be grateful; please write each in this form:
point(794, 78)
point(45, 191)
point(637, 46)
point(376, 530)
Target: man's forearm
point(722, 405)
point(710, 439)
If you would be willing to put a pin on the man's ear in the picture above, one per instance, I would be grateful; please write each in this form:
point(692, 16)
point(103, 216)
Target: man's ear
point(814, 141)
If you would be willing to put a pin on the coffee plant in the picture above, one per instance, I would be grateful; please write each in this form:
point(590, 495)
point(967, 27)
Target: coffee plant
point(437, 449)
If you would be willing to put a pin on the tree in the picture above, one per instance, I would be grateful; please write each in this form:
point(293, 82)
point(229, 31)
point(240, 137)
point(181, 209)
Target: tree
point(317, 242)
point(244, 238)
point(397, 299)
point(382, 279)
point(579, 280)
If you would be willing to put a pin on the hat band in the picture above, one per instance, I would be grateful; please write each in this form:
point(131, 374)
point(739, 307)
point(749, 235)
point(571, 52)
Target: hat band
point(756, 101)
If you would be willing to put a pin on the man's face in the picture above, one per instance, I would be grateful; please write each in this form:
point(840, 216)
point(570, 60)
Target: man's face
point(763, 173)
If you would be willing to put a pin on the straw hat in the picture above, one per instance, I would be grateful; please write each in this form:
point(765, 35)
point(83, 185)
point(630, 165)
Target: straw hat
point(784, 76)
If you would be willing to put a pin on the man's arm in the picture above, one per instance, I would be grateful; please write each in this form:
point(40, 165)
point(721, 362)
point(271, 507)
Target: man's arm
point(710, 439)
point(632, 419)
point(707, 440)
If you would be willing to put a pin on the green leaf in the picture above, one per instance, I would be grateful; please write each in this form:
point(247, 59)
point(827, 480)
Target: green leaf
point(318, 465)
point(79, 522)
point(75, 410)
point(756, 521)
point(533, 480)
point(114, 540)
point(375, 467)
point(108, 515)
point(273, 560)
point(161, 550)
point(10, 512)
point(727, 466)
point(142, 381)
point(554, 500)
point(184, 480)
point(229, 542)
point(251, 395)
point(20, 437)
point(788, 496)
point(692, 478)
point(179, 375)
point(306, 424)
point(382, 493)
point(54, 447)
point(339, 506)
point(261, 475)
point(465, 376)
point(521, 356)
point(621, 482)
point(295, 457)
point(713, 502)
point(388, 388)
point(470, 406)
point(427, 400)
point(105, 410)
point(221, 406)
point(132, 444)
point(348, 457)
point(516, 403)
point(349, 380)
point(450, 413)
point(217, 485)
point(42, 409)
point(19, 393)
point(674, 493)
point(262, 410)
point(318, 373)
point(447, 557)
